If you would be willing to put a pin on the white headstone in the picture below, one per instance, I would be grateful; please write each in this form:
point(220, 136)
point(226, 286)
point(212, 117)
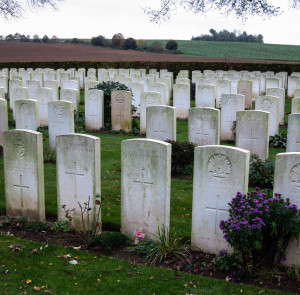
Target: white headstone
point(269, 104)
point(43, 96)
point(287, 183)
point(147, 99)
point(204, 126)
point(32, 86)
point(78, 176)
point(292, 82)
point(245, 88)
point(137, 88)
point(52, 84)
point(16, 94)
point(145, 189)
point(219, 173)
point(280, 93)
point(222, 87)
point(205, 95)
point(27, 114)
point(230, 104)
point(24, 174)
point(252, 132)
point(94, 109)
point(161, 123)
point(70, 95)
point(162, 89)
point(61, 120)
point(293, 133)
point(121, 110)
point(296, 105)
point(182, 100)
point(3, 119)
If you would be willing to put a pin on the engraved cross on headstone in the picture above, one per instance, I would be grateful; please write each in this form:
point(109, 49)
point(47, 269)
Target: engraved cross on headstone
point(75, 173)
point(217, 211)
point(159, 129)
point(298, 144)
point(202, 132)
point(21, 187)
point(143, 182)
point(252, 139)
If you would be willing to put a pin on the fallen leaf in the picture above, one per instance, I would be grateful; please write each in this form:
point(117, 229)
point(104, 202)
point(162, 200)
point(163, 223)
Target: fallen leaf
point(77, 248)
point(151, 278)
point(36, 289)
point(119, 268)
point(228, 279)
point(34, 251)
point(28, 281)
point(73, 262)
point(6, 271)
point(47, 292)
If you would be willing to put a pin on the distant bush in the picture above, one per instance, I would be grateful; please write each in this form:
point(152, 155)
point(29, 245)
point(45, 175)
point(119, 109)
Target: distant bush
point(278, 140)
point(182, 157)
point(129, 43)
point(172, 45)
point(141, 45)
point(75, 41)
point(99, 41)
point(156, 47)
point(116, 40)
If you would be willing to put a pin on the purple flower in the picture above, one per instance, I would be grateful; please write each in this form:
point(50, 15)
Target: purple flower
point(260, 212)
point(253, 226)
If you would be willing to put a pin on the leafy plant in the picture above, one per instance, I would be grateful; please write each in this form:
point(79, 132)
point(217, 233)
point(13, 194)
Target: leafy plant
point(90, 230)
point(129, 43)
point(168, 245)
point(49, 156)
point(182, 157)
point(61, 225)
point(226, 262)
point(171, 45)
point(260, 227)
point(261, 173)
point(79, 120)
point(111, 240)
point(293, 272)
point(278, 140)
point(107, 88)
point(144, 247)
point(36, 226)
point(5, 220)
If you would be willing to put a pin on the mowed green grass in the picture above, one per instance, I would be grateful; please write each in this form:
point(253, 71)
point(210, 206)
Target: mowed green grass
point(215, 49)
point(181, 189)
point(22, 271)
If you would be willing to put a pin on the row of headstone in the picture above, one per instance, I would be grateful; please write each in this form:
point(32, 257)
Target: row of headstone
point(219, 172)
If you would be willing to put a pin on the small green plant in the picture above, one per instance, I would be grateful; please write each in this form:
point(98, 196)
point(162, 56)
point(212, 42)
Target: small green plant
point(168, 245)
point(36, 226)
point(79, 120)
point(260, 227)
point(62, 226)
point(144, 247)
point(278, 140)
point(90, 230)
point(49, 156)
point(293, 272)
point(226, 262)
point(111, 240)
point(261, 173)
point(5, 220)
point(182, 157)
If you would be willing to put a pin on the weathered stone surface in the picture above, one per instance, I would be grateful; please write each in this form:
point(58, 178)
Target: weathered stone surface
point(182, 100)
point(78, 177)
point(94, 109)
point(219, 173)
point(205, 95)
point(204, 126)
point(280, 93)
point(245, 88)
point(161, 123)
point(3, 119)
point(145, 189)
point(24, 174)
point(27, 114)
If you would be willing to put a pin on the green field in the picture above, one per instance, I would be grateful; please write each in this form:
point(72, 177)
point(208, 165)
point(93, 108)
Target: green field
point(237, 50)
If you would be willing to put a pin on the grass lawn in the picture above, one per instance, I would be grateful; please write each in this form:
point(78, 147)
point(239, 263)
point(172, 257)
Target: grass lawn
point(104, 275)
point(22, 271)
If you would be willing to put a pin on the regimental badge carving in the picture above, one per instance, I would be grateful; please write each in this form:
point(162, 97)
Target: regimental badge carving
point(59, 110)
point(295, 175)
point(275, 93)
point(24, 109)
point(18, 94)
point(93, 96)
point(205, 91)
point(120, 98)
point(149, 99)
point(231, 101)
point(267, 104)
point(20, 147)
point(219, 166)
point(68, 95)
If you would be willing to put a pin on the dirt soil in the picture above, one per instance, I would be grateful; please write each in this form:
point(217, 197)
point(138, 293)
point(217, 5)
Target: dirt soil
point(35, 52)
point(201, 263)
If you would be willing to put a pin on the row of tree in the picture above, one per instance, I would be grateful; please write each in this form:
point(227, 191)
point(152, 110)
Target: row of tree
point(27, 38)
point(229, 37)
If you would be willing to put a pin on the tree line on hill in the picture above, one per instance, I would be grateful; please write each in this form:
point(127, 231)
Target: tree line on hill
point(227, 36)
point(27, 38)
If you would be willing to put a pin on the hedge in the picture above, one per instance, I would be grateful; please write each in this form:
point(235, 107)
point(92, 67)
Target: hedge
point(171, 66)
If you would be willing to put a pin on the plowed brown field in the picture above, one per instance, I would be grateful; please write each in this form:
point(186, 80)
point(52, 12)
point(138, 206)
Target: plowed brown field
point(20, 51)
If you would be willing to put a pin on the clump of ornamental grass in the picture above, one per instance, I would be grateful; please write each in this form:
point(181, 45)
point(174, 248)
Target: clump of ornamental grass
point(260, 227)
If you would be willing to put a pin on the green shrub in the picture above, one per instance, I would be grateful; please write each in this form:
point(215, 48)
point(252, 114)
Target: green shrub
point(144, 247)
point(112, 240)
point(141, 45)
point(36, 226)
point(5, 220)
point(278, 140)
point(261, 173)
point(172, 45)
point(116, 40)
point(61, 226)
point(107, 88)
point(129, 43)
point(182, 157)
point(226, 262)
point(260, 227)
point(156, 47)
point(99, 41)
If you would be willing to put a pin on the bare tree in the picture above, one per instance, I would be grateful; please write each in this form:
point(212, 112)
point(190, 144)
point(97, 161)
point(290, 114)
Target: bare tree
point(14, 8)
point(241, 8)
